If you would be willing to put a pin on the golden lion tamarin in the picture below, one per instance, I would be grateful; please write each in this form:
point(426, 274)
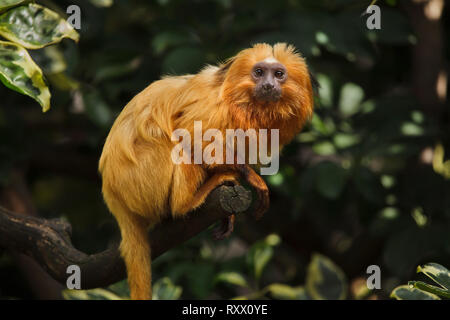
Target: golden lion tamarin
point(262, 87)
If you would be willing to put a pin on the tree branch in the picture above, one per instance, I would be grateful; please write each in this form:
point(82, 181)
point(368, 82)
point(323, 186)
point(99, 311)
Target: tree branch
point(48, 241)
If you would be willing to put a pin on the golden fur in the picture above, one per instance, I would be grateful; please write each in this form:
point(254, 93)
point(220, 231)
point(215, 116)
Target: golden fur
point(141, 185)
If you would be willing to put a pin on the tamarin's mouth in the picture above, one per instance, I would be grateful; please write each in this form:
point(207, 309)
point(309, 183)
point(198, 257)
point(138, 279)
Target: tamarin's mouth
point(264, 95)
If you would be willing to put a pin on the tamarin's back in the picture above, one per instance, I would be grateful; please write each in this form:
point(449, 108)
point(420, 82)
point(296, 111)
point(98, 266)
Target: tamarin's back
point(136, 155)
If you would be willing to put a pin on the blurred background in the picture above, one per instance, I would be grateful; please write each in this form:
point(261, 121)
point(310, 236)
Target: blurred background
point(365, 183)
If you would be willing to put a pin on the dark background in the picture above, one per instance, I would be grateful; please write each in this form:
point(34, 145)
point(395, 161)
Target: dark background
point(366, 182)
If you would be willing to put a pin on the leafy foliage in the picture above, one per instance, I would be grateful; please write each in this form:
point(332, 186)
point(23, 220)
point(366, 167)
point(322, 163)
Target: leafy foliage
point(38, 27)
point(29, 26)
point(419, 290)
point(20, 73)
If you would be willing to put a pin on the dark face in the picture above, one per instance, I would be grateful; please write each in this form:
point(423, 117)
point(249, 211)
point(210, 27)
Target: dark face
point(268, 77)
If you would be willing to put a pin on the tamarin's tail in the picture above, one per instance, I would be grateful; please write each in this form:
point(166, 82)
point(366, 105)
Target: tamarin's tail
point(135, 250)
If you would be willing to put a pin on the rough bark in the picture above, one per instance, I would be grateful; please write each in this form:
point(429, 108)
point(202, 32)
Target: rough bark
point(48, 241)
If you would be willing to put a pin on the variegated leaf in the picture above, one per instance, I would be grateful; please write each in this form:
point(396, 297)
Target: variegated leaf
point(325, 280)
point(19, 72)
point(5, 4)
point(410, 293)
point(430, 288)
point(94, 294)
point(437, 273)
point(34, 26)
point(102, 3)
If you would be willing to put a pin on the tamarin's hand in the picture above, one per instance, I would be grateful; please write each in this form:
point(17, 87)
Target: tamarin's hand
point(262, 87)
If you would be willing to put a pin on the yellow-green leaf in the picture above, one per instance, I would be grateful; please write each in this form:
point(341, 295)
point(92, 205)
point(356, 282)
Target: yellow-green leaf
point(62, 81)
point(34, 26)
point(5, 4)
point(285, 292)
point(437, 273)
point(102, 3)
point(406, 292)
point(430, 288)
point(260, 254)
point(232, 278)
point(94, 294)
point(325, 280)
point(165, 289)
point(19, 72)
point(50, 59)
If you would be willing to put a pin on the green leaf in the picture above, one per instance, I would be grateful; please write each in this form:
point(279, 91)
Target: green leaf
point(261, 253)
point(19, 72)
point(411, 129)
point(345, 140)
point(94, 294)
point(97, 109)
point(406, 292)
point(50, 59)
point(259, 257)
point(437, 273)
point(285, 292)
point(326, 90)
point(164, 289)
point(113, 71)
point(120, 288)
point(168, 39)
point(350, 99)
point(342, 34)
point(5, 4)
point(324, 148)
point(183, 60)
point(234, 278)
point(331, 179)
point(34, 26)
point(429, 288)
point(63, 82)
point(200, 279)
point(323, 126)
point(102, 3)
point(325, 280)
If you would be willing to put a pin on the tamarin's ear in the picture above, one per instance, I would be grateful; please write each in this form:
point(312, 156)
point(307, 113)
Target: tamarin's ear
point(315, 84)
point(221, 73)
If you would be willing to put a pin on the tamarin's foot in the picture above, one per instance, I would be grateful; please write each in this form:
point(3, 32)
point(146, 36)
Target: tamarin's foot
point(225, 229)
point(260, 187)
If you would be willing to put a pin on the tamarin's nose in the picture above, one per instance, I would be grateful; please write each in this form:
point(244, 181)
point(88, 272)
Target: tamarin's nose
point(267, 86)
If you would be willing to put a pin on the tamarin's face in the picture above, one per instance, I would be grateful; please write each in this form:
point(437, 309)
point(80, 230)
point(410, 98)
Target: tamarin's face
point(274, 80)
point(268, 76)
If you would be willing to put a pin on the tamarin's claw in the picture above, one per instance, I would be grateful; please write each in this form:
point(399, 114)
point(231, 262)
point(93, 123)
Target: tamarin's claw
point(225, 229)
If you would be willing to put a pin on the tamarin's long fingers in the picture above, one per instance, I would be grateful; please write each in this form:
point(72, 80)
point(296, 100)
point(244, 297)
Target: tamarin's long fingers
point(260, 186)
point(225, 229)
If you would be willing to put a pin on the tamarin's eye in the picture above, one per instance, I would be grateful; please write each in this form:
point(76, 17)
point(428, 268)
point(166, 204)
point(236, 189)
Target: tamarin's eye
point(279, 74)
point(258, 72)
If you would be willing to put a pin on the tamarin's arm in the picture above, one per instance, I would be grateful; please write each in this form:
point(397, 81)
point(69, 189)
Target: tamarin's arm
point(248, 174)
point(221, 174)
point(215, 180)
